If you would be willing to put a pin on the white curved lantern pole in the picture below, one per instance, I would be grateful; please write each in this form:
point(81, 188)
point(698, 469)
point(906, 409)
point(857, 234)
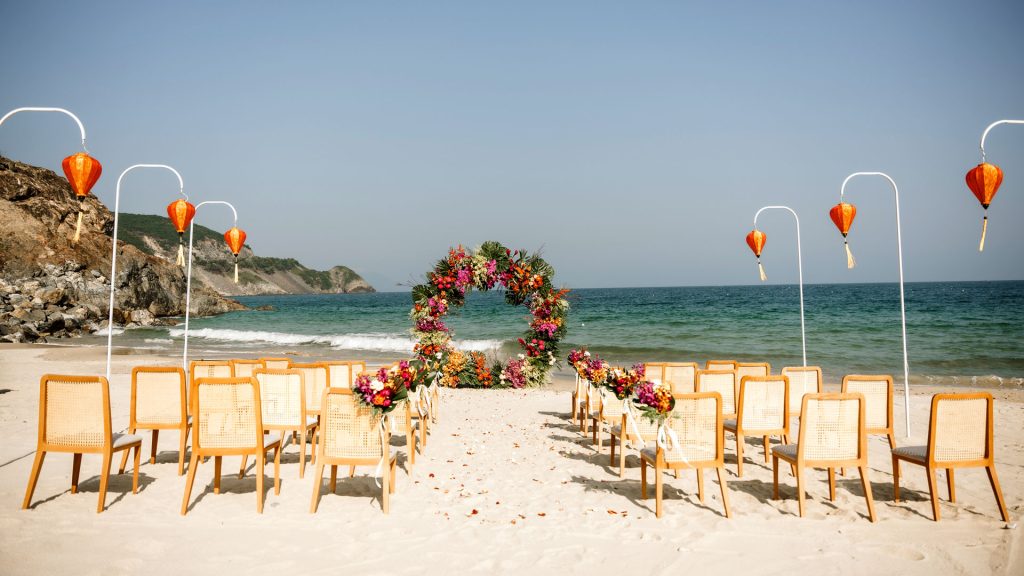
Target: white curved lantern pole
point(903, 308)
point(81, 128)
point(799, 267)
point(113, 244)
point(188, 281)
point(983, 134)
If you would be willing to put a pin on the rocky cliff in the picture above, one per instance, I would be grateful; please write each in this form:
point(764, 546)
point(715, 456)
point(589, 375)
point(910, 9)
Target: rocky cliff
point(213, 263)
point(51, 288)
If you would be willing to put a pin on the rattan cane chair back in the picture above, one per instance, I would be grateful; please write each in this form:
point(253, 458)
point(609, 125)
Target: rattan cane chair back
point(721, 381)
point(317, 378)
point(681, 376)
point(721, 365)
point(241, 368)
point(654, 371)
point(276, 363)
point(877, 391)
point(752, 369)
point(209, 369)
point(340, 372)
point(802, 380)
point(159, 402)
point(282, 398)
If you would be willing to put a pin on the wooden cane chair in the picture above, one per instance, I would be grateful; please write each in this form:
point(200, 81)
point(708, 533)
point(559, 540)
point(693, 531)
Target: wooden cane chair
point(589, 405)
point(833, 434)
point(877, 391)
point(352, 436)
point(802, 380)
point(227, 420)
point(340, 372)
point(681, 376)
point(608, 414)
point(648, 433)
point(412, 422)
point(959, 436)
point(74, 416)
point(357, 368)
point(721, 381)
point(209, 369)
point(654, 371)
point(752, 369)
point(721, 365)
point(159, 402)
point(283, 399)
point(276, 363)
point(241, 368)
point(317, 377)
point(578, 393)
point(763, 410)
point(696, 422)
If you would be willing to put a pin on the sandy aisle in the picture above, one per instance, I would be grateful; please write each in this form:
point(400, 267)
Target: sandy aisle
point(506, 484)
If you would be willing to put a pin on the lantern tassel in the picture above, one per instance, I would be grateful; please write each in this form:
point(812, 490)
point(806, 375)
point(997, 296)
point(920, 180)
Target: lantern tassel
point(760, 269)
point(984, 228)
point(78, 229)
point(181, 256)
point(850, 262)
point(236, 268)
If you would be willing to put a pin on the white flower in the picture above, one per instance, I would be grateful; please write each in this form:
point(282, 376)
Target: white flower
point(522, 357)
point(376, 385)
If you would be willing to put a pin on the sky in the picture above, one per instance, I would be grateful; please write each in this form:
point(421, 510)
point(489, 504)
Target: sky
point(630, 142)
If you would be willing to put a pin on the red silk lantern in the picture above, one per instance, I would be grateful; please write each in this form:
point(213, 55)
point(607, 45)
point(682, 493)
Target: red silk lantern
point(181, 213)
point(984, 180)
point(842, 215)
point(235, 237)
point(82, 172)
point(756, 240)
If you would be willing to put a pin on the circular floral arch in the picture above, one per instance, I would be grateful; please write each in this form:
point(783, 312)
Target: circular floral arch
point(526, 279)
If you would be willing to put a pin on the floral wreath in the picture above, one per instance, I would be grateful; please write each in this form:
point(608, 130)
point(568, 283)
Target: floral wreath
point(526, 279)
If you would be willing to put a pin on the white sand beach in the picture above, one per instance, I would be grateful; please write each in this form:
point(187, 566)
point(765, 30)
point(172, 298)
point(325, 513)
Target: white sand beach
point(505, 485)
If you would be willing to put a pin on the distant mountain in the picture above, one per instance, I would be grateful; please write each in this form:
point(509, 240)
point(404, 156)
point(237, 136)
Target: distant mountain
point(213, 263)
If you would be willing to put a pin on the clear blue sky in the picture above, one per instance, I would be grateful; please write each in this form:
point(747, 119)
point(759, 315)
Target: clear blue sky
point(633, 142)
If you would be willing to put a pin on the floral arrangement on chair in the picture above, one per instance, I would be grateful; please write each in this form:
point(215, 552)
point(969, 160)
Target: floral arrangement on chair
point(654, 401)
point(385, 390)
point(526, 280)
point(623, 381)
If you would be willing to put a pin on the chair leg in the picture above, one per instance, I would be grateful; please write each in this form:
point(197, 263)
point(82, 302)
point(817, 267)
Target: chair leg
point(259, 482)
point(775, 477)
point(994, 481)
point(892, 441)
point(241, 470)
point(800, 489)
point(193, 462)
point(181, 450)
point(700, 484)
point(277, 472)
point(622, 456)
point(152, 448)
point(867, 492)
point(302, 451)
point(104, 479)
point(739, 455)
point(593, 431)
point(217, 460)
point(394, 464)
point(725, 493)
point(643, 478)
point(385, 491)
point(950, 485)
point(135, 472)
point(767, 449)
point(334, 478)
point(895, 479)
point(351, 471)
point(659, 480)
point(37, 465)
point(933, 492)
point(832, 484)
point(76, 468)
point(318, 480)
point(124, 457)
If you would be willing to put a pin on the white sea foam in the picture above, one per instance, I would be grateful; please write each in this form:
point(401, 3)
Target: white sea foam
point(378, 342)
point(166, 341)
point(103, 331)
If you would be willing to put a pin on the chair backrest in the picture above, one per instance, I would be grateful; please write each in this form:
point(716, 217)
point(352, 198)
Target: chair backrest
point(802, 380)
point(242, 368)
point(611, 407)
point(752, 369)
point(209, 369)
point(357, 368)
point(696, 420)
point(654, 371)
point(340, 373)
point(721, 381)
point(350, 429)
point(721, 365)
point(159, 395)
point(282, 398)
point(276, 363)
point(681, 376)
point(763, 403)
point(877, 391)
point(960, 429)
point(226, 414)
point(74, 412)
point(832, 428)
point(317, 377)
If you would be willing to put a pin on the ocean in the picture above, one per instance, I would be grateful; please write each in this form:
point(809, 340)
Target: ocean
point(967, 333)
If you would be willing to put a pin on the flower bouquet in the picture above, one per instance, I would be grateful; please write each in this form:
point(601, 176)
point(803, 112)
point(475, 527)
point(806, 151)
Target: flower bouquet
point(622, 381)
point(654, 401)
point(383, 392)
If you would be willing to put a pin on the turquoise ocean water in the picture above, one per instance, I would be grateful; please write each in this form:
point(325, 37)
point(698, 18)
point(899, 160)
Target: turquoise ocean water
point(957, 332)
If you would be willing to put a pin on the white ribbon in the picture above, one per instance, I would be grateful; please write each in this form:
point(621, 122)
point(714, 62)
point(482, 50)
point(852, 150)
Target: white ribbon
point(377, 478)
point(627, 409)
point(668, 440)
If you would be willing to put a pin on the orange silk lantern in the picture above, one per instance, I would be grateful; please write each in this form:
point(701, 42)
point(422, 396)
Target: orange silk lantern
point(984, 180)
point(235, 237)
point(756, 240)
point(181, 213)
point(82, 172)
point(842, 215)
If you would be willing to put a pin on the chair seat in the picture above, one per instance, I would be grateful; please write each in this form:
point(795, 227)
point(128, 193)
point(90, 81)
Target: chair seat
point(690, 454)
point(122, 441)
point(914, 453)
point(729, 424)
point(269, 440)
point(310, 421)
point(786, 451)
